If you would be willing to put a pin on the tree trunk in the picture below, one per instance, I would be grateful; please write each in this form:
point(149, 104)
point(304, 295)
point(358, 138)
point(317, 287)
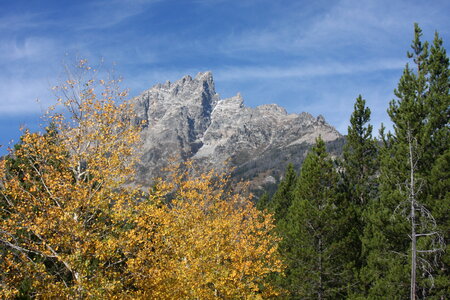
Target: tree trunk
point(413, 221)
point(320, 291)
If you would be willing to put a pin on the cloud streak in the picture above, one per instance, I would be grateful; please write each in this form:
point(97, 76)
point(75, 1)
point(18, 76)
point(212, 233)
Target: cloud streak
point(31, 48)
point(376, 26)
point(308, 70)
point(23, 21)
point(324, 52)
point(103, 14)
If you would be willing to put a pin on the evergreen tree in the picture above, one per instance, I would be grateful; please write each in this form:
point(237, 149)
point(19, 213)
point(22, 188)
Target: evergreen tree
point(360, 156)
point(314, 241)
point(438, 101)
point(439, 201)
point(420, 116)
point(436, 157)
point(283, 197)
point(263, 201)
point(359, 182)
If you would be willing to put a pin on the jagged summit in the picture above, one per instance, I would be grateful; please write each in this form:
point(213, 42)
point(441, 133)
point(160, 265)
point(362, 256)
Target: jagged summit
point(188, 120)
point(205, 76)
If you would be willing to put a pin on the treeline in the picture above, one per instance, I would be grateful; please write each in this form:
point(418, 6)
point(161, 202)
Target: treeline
point(374, 224)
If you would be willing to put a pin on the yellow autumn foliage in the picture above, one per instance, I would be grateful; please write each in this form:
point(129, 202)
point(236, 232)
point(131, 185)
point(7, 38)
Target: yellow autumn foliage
point(210, 243)
point(61, 195)
point(71, 225)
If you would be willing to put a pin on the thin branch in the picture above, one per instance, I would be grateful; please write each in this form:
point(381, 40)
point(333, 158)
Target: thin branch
point(427, 234)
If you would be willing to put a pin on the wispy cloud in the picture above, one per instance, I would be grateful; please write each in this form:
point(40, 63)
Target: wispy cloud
point(308, 70)
point(23, 21)
point(24, 95)
point(374, 25)
point(30, 48)
point(104, 14)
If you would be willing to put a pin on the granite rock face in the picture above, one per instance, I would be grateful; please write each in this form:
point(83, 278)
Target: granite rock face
point(187, 119)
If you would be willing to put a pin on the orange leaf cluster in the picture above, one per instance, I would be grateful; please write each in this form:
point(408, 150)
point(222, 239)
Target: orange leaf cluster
point(209, 244)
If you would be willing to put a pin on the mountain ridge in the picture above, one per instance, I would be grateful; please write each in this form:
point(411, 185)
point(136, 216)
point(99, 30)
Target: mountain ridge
point(188, 120)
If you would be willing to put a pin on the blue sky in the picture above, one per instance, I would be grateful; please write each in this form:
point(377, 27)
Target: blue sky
point(313, 56)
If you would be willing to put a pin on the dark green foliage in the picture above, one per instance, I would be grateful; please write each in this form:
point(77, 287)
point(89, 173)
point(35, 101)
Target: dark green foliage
point(360, 159)
point(283, 197)
point(437, 101)
point(263, 201)
point(439, 200)
point(356, 226)
point(421, 110)
point(315, 245)
point(358, 180)
point(436, 156)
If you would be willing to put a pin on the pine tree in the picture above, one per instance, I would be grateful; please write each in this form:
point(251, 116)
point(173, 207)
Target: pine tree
point(263, 201)
point(439, 201)
point(359, 182)
point(314, 242)
point(283, 197)
point(436, 157)
point(360, 156)
point(420, 121)
point(437, 101)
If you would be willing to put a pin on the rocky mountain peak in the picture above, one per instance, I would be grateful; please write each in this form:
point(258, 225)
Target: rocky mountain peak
point(232, 104)
point(320, 119)
point(272, 109)
point(187, 119)
point(206, 77)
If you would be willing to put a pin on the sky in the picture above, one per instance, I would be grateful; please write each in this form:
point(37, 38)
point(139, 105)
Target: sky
point(313, 56)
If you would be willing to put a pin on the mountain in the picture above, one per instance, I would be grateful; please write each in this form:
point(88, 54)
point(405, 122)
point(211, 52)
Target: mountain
point(187, 119)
